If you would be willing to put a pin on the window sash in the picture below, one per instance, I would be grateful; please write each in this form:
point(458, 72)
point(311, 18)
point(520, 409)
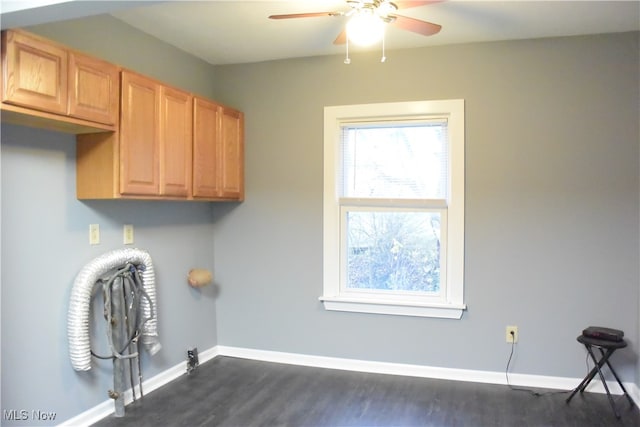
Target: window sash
point(412, 153)
point(438, 297)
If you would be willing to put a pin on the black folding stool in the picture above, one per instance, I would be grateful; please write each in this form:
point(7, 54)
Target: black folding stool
point(610, 347)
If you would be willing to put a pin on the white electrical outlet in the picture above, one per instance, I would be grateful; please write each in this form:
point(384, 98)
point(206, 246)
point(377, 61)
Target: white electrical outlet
point(127, 232)
point(94, 234)
point(512, 334)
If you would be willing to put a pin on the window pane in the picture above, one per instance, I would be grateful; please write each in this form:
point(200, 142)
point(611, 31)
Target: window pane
point(393, 251)
point(407, 161)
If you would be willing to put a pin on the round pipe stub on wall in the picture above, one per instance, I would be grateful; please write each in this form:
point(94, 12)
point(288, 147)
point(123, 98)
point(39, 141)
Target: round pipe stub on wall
point(199, 277)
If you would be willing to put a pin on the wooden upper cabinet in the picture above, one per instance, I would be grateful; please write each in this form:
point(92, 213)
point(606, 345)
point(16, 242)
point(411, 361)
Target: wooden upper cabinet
point(155, 138)
point(93, 89)
point(218, 151)
point(206, 131)
point(139, 135)
point(232, 154)
point(170, 145)
point(45, 84)
point(176, 114)
point(34, 73)
point(136, 138)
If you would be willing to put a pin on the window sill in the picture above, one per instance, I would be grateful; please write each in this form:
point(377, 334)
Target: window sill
point(398, 308)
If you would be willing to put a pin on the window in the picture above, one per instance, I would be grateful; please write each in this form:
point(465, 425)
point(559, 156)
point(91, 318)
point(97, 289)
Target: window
point(394, 208)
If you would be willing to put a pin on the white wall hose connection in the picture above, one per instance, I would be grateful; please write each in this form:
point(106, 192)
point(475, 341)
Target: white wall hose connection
point(80, 303)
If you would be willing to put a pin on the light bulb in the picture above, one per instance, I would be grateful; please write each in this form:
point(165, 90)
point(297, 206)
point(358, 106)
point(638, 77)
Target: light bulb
point(365, 28)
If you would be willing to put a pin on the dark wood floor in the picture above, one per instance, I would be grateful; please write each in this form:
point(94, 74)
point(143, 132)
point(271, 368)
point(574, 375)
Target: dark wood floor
point(237, 392)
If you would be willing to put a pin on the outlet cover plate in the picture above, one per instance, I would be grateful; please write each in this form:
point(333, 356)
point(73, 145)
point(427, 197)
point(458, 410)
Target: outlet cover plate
point(127, 234)
point(94, 234)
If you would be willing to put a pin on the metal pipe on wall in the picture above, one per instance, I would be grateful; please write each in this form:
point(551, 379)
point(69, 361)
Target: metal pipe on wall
point(120, 340)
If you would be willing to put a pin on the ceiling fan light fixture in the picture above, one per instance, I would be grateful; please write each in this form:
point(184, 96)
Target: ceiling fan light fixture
point(368, 20)
point(365, 27)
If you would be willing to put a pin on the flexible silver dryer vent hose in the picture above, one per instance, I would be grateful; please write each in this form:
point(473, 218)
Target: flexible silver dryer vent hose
point(80, 302)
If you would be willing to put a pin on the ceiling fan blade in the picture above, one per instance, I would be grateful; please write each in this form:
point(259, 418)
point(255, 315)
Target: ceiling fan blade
point(409, 3)
point(305, 15)
point(342, 37)
point(417, 26)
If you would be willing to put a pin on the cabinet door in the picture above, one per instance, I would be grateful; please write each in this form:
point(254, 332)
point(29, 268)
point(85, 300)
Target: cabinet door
point(231, 155)
point(139, 138)
point(175, 142)
point(206, 129)
point(93, 89)
point(35, 73)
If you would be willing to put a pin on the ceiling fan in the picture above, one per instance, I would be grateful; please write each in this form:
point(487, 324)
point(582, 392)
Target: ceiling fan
point(374, 13)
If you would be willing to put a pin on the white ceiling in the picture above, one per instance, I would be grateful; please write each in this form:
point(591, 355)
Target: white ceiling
point(239, 31)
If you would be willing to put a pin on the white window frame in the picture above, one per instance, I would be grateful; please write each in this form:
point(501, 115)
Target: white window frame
point(450, 303)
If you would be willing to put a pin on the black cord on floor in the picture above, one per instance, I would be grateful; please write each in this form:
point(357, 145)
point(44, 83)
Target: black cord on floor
point(532, 392)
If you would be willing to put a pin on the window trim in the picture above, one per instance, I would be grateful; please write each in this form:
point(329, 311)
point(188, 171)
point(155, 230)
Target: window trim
point(452, 304)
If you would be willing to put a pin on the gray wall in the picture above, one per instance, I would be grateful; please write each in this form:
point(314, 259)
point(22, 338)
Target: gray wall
point(552, 203)
point(45, 243)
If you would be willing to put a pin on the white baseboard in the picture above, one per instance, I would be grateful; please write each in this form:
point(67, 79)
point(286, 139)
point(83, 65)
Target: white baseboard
point(105, 409)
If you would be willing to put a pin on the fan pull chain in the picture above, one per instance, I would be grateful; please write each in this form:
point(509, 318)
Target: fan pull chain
point(347, 60)
point(384, 58)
